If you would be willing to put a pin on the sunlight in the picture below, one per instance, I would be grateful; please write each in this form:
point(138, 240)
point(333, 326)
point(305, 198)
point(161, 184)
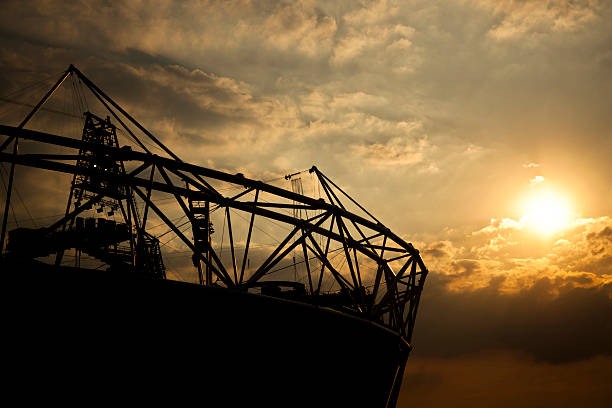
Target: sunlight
point(546, 213)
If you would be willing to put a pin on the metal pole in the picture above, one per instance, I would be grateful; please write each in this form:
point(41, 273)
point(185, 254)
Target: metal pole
point(9, 188)
point(231, 237)
point(248, 241)
point(7, 204)
point(208, 242)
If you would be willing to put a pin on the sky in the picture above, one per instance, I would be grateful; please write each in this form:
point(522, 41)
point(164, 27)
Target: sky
point(477, 130)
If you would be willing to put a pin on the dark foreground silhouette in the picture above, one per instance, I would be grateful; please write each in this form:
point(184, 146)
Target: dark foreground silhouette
point(87, 336)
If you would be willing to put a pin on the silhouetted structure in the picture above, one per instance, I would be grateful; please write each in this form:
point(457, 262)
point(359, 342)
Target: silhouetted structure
point(356, 335)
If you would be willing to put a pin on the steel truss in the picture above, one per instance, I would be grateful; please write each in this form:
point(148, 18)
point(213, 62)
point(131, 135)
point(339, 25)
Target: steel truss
point(390, 296)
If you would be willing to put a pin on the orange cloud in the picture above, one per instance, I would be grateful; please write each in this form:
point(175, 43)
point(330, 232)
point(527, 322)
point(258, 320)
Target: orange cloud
point(396, 151)
point(581, 255)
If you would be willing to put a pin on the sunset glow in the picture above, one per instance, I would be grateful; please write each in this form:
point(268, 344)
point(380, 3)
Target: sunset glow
point(547, 213)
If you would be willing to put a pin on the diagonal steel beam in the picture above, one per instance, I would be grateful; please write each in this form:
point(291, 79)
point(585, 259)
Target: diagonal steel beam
point(222, 276)
point(231, 237)
point(275, 258)
point(344, 284)
point(189, 215)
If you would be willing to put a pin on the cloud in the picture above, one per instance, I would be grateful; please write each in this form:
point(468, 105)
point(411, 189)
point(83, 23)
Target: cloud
point(579, 255)
point(440, 249)
point(372, 13)
point(498, 225)
point(301, 27)
point(464, 268)
point(536, 180)
point(369, 37)
point(560, 319)
point(540, 315)
point(175, 29)
point(531, 165)
point(357, 101)
point(586, 248)
point(395, 151)
point(533, 17)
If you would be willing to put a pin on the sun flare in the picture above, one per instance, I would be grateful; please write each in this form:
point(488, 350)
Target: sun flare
point(547, 213)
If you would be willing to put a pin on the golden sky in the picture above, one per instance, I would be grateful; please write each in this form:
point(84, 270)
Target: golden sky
point(478, 130)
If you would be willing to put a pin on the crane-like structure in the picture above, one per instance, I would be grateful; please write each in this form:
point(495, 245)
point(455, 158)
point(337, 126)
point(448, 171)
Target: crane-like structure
point(370, 272)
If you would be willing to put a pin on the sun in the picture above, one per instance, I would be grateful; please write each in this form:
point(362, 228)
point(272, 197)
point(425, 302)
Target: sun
point(547, 213)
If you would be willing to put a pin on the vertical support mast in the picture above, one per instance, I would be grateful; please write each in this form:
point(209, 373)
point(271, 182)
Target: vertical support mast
point(207, 225)
point(201, 227)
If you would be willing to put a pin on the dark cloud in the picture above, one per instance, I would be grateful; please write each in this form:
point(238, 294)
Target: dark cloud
point(440, 249)
point(464, 267)
point(193, 98)
point(602, 237)
point(553, 320)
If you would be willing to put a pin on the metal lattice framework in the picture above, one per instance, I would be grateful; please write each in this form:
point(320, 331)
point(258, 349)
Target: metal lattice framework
point(377, 275)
